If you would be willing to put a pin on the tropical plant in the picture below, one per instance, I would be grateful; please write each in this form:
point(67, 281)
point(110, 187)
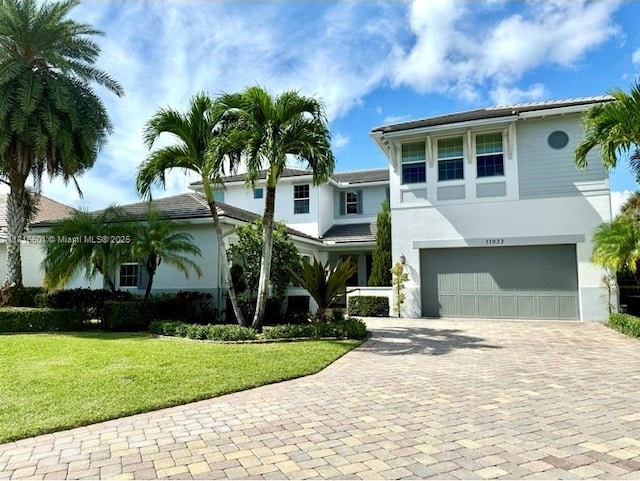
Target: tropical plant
point(246, 252)
point(615, 128)
point(616, 245)
point(266, 132)
point(325, 283)
point(194, 132)
point(399, 277)
point(381, 266)
point(158, 239)
point(51, 120)
point(82, 243)
point(631, 207)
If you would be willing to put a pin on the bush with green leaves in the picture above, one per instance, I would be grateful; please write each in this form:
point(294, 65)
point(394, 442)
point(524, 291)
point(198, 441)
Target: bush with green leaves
point(19, 296)
point(219, 332)
point(350, 328)
point(625, 323)
point(381, 256)
point(26, 319)
point(133, 315)
point(90, 302)
point(370, 306)
point(273, 312)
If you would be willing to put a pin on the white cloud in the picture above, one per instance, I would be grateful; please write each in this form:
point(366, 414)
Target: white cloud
point(394, 119)
point(635, 56)
point(618, 199)
point(455, 55)
point(503, 95)
point(340, 140)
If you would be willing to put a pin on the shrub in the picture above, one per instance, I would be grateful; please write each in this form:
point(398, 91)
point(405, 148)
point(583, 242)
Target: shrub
point(131, 315)
point(19, 296)
point(272, 315)
point(371, 306)
point(297, 310)
point(220, 332)
point(340, 329)
point(25, 319)
point(625, 323)
point(194, 307)
point(90, 302)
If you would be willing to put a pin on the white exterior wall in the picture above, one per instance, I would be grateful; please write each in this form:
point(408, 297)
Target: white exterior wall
point(325, 207)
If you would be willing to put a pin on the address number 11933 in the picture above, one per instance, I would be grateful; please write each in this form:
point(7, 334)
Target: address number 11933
point(494, 242)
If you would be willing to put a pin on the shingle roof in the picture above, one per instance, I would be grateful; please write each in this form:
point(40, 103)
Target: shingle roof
point(490, 113)
point(48, 210)
point(191, 205)
point(351, 233)
point(352, 177)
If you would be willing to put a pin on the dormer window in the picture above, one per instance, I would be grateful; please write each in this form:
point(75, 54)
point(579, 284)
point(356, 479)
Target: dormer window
point(489, 155)
point(414, 168)
point(450, 159)
point(301, 199)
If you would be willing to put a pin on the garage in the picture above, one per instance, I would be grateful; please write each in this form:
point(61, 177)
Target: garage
point(514, 282)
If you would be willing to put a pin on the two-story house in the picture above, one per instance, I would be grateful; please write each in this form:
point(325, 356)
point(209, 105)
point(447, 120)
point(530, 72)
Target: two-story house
point(491, 216)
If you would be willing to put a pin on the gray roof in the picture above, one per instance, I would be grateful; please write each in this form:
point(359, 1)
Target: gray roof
point(352, 177)
point(490, 113)
point(49, 210)
point(352, 233)
point(189, 206)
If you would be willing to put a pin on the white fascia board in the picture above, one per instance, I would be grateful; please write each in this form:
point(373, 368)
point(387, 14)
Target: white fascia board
point(453, 126)
point(377, 137)
point(344, 185)
point(573, 109)
point(333, 245)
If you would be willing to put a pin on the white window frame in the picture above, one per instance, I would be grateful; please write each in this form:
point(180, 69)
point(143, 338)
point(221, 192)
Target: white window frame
point(412, 162)
point(448, 159)
point(302, 199)
point(352, 203)
point(137, 265)
point(476, 155)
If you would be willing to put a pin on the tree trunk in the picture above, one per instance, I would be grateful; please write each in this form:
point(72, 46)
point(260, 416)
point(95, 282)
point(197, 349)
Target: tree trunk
point(150, 266)
point(225, 265)
point(15, 227)
point(267, 251)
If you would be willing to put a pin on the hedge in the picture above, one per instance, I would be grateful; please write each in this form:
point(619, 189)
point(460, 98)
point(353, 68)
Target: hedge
point(371, 306)
point(33, 319)
point(220, 332)
point(339, 329)
point(19, 296)
point(133, 315)
point(90, 302)
point(625, 323)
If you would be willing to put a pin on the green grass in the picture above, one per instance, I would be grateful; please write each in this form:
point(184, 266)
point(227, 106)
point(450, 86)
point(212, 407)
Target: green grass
point(50, 382)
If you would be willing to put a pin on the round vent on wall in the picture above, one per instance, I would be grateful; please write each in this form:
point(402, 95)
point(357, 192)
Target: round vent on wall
point(558, 139)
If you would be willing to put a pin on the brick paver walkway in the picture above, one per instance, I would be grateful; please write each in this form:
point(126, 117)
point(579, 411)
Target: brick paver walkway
point(423, 398)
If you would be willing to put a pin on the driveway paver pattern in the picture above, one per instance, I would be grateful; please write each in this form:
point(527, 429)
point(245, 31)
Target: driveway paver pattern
point(448, 399)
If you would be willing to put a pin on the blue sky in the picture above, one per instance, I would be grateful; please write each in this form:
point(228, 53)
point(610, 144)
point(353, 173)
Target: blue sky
point(370, 62)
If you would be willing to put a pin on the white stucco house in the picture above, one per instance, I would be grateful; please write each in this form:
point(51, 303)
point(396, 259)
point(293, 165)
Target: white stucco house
point(491, 215)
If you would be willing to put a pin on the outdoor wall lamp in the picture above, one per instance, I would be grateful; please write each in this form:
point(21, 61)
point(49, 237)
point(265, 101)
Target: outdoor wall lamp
point(403, 259)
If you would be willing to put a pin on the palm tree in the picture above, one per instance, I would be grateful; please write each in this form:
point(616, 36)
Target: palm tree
point(615, 128)
point(159, 239)
point(325, 283)
point(77, 244)
point(617, 245)
point(50, 118)
point(194, 131)
point(266, 132)
point(632, 206)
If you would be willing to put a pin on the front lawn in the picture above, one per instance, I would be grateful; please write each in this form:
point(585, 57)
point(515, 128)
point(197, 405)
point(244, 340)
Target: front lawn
point(50, 382)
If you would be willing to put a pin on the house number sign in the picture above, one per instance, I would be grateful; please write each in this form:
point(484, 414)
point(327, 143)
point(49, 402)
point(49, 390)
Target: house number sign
point(494, 242)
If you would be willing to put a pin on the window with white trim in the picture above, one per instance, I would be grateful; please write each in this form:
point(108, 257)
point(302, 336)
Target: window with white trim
point(414, 165)
point(351, 203)
point(129, 272)
point(489, 155)
point(450, 158)
point(301, 199)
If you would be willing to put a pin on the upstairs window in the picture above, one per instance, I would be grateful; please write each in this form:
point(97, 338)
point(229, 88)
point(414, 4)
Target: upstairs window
point(489, 155)
point(414, 168)
point(450, 159)
point(129, 272)
point(301, 199)
point(351, 202)
point(218, 195)
point(258, 193)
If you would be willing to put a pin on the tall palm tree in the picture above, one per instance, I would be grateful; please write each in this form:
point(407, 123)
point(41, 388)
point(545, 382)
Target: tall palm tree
point(159, 239)
point(51, 120)
point(194, 131)
point(77, 245)
point(615, 128)
point(266, 132)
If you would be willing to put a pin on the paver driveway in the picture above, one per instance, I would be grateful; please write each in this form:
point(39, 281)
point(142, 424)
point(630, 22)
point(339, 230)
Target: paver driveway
point(423, 398)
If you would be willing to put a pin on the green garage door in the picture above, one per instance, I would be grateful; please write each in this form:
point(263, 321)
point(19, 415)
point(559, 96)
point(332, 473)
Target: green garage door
point(523, 282)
